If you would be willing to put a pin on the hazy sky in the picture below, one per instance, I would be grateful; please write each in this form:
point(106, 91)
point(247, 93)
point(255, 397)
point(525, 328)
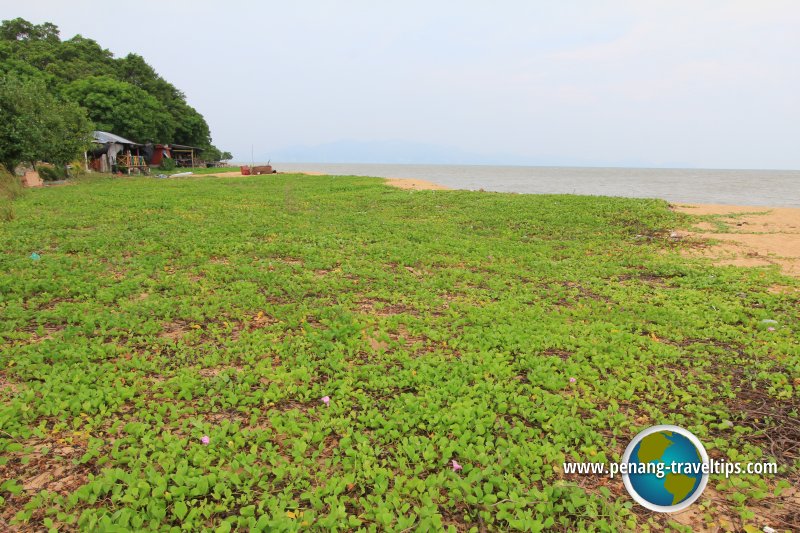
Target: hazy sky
point(642, 83)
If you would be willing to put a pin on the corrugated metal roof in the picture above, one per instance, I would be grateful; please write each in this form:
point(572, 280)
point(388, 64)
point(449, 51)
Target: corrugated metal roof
point(185, 146)
point(104, 137)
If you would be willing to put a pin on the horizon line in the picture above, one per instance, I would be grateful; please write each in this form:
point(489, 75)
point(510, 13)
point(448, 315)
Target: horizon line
point(273, 162)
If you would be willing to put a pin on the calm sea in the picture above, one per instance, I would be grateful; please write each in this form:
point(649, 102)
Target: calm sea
point(778, 188)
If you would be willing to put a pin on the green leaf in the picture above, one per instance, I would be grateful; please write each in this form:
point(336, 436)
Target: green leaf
point(180, 510)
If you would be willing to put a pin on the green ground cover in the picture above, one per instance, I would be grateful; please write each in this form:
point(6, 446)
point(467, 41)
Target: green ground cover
point(442, 325)
point(195, 170)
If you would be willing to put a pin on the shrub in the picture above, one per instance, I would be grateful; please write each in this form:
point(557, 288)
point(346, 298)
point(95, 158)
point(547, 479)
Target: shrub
point(167, 164)
point(76, 169)
point(48, 173)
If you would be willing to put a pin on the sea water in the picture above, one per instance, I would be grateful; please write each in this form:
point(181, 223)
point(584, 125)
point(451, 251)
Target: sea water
point(777, 188)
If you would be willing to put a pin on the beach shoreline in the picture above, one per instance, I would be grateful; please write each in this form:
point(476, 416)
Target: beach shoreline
point(415, 184)
point(731, 235)
point(400, 183)
point(728, 235)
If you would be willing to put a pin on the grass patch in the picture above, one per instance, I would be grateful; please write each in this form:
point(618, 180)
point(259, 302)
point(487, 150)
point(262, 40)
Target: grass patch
point(443, 325)
point(10, 189)
point(197, 170)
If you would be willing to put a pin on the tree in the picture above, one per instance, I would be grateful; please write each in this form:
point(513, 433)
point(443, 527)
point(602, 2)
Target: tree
point(78, 58)
point(124, 95)
point(36, 125)
point(123, 109)
point(135, 70)
point(212, 153)
point(191, 127)
point(20, 29)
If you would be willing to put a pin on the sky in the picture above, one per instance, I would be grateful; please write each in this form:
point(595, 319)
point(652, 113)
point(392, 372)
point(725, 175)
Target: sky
point(705, 84)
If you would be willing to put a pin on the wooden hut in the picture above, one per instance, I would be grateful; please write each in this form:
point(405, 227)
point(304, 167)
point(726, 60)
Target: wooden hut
point(112, 153)
point(183, 155)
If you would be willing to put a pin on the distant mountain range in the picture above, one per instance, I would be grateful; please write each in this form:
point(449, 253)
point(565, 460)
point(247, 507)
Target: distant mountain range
point(409, 152)
point(391, 152)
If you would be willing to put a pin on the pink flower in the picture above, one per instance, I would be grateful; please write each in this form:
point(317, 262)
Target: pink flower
point(770, 328)
point(456, 467)
point(572, 380)
point(326, 400)
point(205, 440)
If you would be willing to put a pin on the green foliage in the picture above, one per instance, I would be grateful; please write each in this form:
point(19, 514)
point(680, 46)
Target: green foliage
point(36, 51)
point(190, 127)
point(134, 69)
point(54, 173)
point(77, 168)
point(52, 60)
point(442, 324)
point(35, 125)
point(167, 163)
point(122, 108)
point(214, 154)
point(18, 68)
point(211, 154)
point(20, 29)
point(78, 58)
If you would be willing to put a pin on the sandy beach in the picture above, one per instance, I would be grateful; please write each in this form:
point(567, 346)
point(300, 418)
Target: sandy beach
point(749, 236)
point(415, 184)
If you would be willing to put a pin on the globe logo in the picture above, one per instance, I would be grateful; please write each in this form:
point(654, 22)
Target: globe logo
point(665, 468)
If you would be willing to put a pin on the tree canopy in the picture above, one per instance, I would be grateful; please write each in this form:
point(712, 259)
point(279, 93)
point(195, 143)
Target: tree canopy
point(37, 125)
point(20, 29)
point(122, 108)
point(123, 95)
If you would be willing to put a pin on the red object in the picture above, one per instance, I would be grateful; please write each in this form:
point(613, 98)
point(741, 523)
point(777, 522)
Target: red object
point(160, 151)
point(245, 170)
point(265, 169)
